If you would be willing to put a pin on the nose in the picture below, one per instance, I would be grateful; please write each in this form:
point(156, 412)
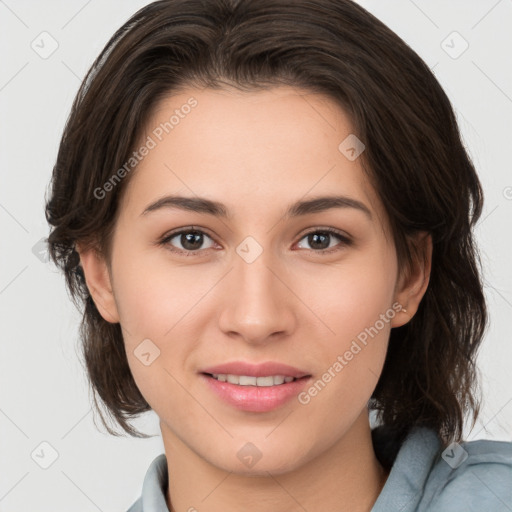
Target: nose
point(259, 305)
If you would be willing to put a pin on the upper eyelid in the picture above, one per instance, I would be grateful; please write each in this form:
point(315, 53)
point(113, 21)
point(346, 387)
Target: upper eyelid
point(332, 231)
point(344, 238)
point(190, 229)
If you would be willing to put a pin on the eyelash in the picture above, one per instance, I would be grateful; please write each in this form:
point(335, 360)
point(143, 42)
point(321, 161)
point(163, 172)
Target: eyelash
point(164, 241)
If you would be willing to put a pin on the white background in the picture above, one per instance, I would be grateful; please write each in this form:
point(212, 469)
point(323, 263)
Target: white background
point(43, 391)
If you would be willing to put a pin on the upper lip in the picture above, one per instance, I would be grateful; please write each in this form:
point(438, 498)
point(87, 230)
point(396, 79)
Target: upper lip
point(256, 370)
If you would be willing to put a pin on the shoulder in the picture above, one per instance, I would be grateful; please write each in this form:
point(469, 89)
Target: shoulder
point(472, 476)
point(154, 488)
point(137, 506)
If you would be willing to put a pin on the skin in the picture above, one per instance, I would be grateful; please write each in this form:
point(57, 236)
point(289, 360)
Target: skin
point(257, 153)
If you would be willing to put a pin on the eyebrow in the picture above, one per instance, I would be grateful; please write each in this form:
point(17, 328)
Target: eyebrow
point(202, 205)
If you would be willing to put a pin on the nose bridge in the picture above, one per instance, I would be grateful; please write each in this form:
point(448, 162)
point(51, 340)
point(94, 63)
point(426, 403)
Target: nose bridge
point(258, 305)
point(255, 279)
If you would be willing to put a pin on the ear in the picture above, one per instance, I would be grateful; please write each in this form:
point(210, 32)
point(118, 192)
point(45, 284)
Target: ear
point(98, 280)
point(413, 281)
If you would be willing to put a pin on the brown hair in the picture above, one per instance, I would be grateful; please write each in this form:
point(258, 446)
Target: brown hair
point(414, 156)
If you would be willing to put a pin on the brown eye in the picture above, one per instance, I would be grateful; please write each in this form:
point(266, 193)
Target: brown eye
point(324, 240)
point(190, 240)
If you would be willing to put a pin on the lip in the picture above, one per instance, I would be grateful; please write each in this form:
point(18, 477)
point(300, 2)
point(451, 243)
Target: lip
point(255, 398)
point(256, 370)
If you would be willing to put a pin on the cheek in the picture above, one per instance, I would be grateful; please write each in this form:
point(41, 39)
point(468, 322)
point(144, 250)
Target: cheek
point(158, 307)
point(356, 307)
point(151, 295)
point(352, 296)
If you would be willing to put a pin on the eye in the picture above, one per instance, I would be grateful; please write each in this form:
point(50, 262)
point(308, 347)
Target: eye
point(321, 239)
point(190, 241)
point(186, 241)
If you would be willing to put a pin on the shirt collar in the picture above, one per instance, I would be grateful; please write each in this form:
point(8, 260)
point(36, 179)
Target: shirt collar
point(404, 486)
point(408, 474)
point(154, 488)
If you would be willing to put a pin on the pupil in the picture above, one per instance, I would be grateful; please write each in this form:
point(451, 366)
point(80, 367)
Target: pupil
point(192, 240)
point(315, 237)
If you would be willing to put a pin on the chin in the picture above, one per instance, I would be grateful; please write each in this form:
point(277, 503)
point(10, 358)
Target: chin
point(256, 463)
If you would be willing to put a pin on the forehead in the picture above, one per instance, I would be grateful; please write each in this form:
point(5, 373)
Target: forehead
point(272, 145)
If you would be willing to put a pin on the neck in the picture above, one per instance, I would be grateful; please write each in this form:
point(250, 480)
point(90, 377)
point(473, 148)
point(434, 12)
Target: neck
point(345, 476)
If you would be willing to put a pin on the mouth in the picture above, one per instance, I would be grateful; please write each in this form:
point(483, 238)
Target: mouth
point(255, 388)
point(245, 372)
point(249, 380)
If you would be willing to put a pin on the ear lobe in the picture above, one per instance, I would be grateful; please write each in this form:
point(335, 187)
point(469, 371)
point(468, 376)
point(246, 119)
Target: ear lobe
point(414, 283)
point(98, 282)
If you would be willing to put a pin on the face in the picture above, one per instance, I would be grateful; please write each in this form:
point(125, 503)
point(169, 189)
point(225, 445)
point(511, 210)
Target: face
point(247, 270)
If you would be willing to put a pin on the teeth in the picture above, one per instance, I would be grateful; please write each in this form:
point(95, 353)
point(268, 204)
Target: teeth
point(246, 380)
point(233, 379)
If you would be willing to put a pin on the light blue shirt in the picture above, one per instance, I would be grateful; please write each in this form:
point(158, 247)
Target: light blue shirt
point(475, 476)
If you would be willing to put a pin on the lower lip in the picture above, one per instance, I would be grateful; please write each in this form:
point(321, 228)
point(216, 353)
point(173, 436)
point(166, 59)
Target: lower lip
point(256, 398)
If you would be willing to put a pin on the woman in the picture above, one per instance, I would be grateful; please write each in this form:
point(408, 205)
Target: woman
point(266, 211)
